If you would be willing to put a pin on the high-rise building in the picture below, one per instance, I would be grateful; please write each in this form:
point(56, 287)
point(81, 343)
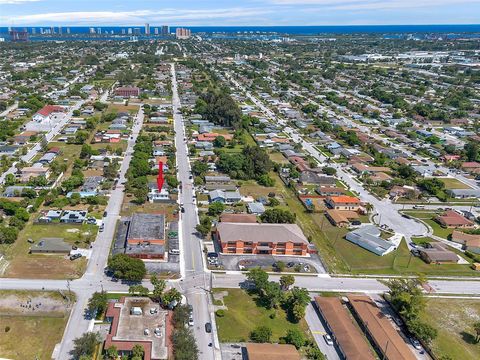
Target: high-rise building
point(182, 33)
point(92, 30)
point(68, 30)
point(147, 29)
point(52, 30)
point(34, 31)
point(41, 31)
point(123, 31)
point(129, 31)
point(165, 30)
point(156, 31)
point(99, 30)
point(60, 30)
point(136, 31)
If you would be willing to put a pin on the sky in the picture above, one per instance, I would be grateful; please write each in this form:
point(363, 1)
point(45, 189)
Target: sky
point(237, 13)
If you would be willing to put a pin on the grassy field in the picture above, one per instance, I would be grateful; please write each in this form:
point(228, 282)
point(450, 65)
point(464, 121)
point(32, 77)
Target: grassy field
point(453, 319)
point(27, 334)
point(452, 183)
point(243, 315)
point(25, 265)
point(132, 109)
point(30, 337)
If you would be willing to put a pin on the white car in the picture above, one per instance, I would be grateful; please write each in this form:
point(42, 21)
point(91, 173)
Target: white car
point(190, 321)
point(328, 339)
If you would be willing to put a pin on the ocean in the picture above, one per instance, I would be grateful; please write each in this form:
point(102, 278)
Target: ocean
point(446, 30)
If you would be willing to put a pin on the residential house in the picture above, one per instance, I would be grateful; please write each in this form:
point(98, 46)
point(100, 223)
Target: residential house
point(226, 197)
point(452, 219)
point(463, 193)
point(30, 172)
point(256, 208)
point(437, 253)
point(73, 216)
point(343, 202)
point(470, 242)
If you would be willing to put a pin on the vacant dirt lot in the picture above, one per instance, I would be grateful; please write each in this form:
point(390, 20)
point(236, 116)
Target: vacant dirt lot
point(31, 323)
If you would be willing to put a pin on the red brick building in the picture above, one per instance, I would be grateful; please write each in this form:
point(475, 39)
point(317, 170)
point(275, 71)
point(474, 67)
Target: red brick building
point(268, 239)
point(127, 91)
point(128, 329)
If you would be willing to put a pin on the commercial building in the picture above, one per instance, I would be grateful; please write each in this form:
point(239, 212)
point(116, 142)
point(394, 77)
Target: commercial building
point(350, 341)
point(369, 238)
point(182, 33)
point(268, 239)
point(165, 30)
point(138, 321)
point(45, 113)
point(142, 236)
point(147, 29)
point(384, 336)
point(127, 91)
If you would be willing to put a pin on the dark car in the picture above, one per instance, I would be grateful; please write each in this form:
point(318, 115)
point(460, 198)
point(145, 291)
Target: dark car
point(104, 214)
point(75, 256)
point(208, 327)
point(182, 209)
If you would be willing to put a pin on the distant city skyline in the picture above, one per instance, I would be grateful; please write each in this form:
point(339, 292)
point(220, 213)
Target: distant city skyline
point(237, 13)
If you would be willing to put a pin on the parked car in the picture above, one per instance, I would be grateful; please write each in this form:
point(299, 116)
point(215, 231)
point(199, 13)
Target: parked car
point(328, 339)
point(415, 343)
point(190, 321)
point(208, 327)
point(75, 256)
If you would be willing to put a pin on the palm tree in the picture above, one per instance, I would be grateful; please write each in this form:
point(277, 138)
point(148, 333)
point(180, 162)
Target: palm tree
point(286, 281)
point(368, 207)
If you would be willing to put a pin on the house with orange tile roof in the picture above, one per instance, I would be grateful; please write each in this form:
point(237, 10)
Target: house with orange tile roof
point(343, 202)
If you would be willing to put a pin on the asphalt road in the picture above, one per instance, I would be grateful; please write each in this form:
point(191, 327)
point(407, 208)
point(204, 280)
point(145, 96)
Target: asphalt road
point(94, 278)
point(195, 284)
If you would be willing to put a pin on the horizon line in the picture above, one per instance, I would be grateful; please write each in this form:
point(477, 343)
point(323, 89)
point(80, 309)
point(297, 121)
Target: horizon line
point(246, 26)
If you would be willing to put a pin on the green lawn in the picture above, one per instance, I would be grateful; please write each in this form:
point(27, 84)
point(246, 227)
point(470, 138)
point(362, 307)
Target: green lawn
point(243, 315)
point(30, 337)
point(438, 230)
point(453, 319)
point(71, 233)
point(452, 183)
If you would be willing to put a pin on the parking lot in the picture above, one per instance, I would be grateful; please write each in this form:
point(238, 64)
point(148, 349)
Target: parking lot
point(310, 264)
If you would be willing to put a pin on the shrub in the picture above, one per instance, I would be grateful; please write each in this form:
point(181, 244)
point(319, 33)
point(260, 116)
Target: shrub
point(220, 313)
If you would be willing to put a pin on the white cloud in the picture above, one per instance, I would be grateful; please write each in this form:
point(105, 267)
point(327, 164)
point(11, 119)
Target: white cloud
point(137, 16)
point(16, 2)
point(374, 4)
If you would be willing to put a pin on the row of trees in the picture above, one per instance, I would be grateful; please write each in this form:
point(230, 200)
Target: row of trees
point(407, 299)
